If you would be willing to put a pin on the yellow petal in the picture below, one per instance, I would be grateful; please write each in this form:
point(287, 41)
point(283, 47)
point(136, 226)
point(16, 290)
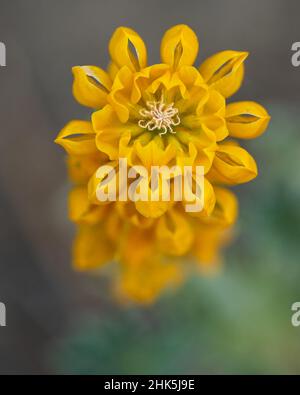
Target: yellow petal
point(109, 140)
point(91, 85)
point(173, 233)
point(232, 165)
point(179, 46)
point(111, 133)
point(136, 246)
point(105, 184)
point(205, 203)
point(208, 242)
point(126, 48)
point(224, 71)
point(152, 209)
point(143, 81)
point(225, 210)
point(246, 119)
point(119, 97)
point(128, 211)
point(171, 84)
point(77, 138)
point(197, 92)
point(215, 105)
point(82, 167)
point(81, 210)
point(201, 148)
point(153, 153)
point(216, 124)
point(146, 284)
point(104, 117)
point(92, 248)
point(114, 226)
point(191, 77)
point(212, 114)
point(112, 70)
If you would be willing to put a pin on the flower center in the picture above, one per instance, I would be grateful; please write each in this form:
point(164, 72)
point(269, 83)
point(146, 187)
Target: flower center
point(159, 115)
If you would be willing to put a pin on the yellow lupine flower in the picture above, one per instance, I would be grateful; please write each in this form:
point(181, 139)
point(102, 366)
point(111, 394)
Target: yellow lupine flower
point(166, 114)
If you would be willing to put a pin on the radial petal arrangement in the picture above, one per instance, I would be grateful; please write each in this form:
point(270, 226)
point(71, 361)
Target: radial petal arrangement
point(168, 114)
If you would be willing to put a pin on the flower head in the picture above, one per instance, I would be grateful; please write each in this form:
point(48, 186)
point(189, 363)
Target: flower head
point(166, 114)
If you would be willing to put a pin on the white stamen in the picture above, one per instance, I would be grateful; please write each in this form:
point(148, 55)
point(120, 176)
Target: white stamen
point(159, 115)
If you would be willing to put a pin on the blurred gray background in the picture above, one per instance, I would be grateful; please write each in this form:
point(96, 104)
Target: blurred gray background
point(44, 39)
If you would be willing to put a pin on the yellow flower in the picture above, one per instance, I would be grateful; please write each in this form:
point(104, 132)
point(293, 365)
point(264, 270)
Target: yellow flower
point(166, 114)
point(149, 250)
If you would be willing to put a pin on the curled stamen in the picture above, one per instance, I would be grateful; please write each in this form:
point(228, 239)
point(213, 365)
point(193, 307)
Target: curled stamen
point(159, 115)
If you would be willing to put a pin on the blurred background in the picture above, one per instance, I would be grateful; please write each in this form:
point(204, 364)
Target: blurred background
point(59, 321)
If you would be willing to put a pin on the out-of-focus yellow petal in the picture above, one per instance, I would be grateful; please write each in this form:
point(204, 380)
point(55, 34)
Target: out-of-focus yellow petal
point(179, 46)
point(208, 201)
point(173, 233)
point(225, 210)
point(81, 210)
point(77, 138)
point(146, 284)
point(246, 119)
point(114, 227)
point(91, 85)
point(224, 71)
point(152, 197)
point(209, 240)
point(136, 246)
point(152, 209)
point(232, 165)
point(105, 184)
point(128, 211)
point(92, 248)
point(82, 167)
point(126, 48)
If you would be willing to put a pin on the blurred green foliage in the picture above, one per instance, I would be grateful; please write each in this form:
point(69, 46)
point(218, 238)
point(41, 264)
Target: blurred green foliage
point(236, 322)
